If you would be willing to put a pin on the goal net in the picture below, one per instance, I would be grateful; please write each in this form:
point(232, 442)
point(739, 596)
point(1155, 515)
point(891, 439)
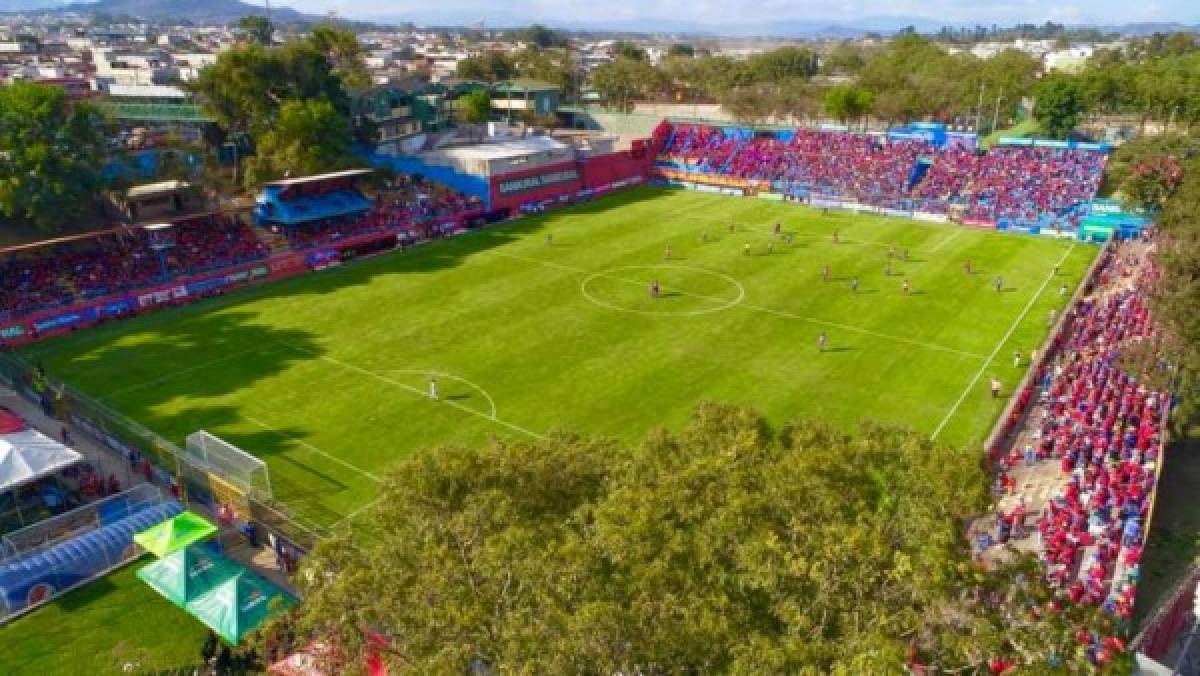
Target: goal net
point(228, 467)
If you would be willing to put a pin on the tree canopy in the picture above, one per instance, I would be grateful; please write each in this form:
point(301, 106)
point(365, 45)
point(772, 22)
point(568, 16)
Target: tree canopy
point(476, 106)
point(848, 103)
point(727, 547)
point(1059, 105)
point(51, 154)
point(250, 86)
point(309, 136)
point(257, 29)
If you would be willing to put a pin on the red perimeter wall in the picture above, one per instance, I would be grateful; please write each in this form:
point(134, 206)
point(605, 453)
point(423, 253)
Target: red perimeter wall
point(596, 173)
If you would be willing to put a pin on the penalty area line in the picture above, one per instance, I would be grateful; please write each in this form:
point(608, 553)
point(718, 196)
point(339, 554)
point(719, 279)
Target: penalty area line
point(373, 477)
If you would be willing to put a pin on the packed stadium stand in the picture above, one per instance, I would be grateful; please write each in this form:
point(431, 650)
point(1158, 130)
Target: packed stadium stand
point(1018, 185)
point(1075, 483)
point(298, 215)
point(119, 260)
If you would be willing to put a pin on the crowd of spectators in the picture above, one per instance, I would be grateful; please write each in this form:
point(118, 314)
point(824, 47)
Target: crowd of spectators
point(407, 205)
point(120, 260)
point(132, 258)
point(1095, 424)
point(1022, 185)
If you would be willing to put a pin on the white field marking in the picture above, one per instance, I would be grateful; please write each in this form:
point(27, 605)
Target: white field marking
point(953, 236)
point(724, 303)
point(178, 372)
point(358, 511)
point(759, 308)
point(310, 447)
point(450, 376)
point(1000, 345)
point(416, 391)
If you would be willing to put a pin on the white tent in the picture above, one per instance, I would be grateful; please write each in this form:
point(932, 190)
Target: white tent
point(29, 455)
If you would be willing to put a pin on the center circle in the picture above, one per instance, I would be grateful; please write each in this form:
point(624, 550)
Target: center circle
point(622, 290)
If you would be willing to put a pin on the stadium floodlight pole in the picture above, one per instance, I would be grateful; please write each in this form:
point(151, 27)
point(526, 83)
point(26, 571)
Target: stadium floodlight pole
point(995, 114)
point(979, 107)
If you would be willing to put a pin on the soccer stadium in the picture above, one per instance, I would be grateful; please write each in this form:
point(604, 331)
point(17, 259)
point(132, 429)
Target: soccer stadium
point(196, 406)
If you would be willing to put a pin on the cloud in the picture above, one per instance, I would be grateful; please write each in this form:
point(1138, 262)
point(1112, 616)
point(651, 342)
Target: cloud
point(716, 13)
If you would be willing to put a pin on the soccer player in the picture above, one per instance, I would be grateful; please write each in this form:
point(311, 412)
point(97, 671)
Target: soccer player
point(704, 236)
point(433, 388)
point(854, 284)
point(825, 273)
point(1016, 359)
point(995, 387)
point(667, 252)
point(732, 225)
point(777, 229)
point(771, 247)
point(967, 266)
point(891, 251)
point(1057, 269)
point(654, 289)
point(746, 249)
point(904, 287)
point(788, 238)
point(821, 340)
point(1062, 290)
point(549, 239)
point(904, 254)
point(887, 268)
point(998, 283)
point(835, 236)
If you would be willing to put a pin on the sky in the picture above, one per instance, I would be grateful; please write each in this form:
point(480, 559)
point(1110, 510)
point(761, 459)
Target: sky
point(717, 12)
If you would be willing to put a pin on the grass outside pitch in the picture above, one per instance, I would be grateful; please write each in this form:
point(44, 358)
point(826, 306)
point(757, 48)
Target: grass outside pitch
point(327, 376)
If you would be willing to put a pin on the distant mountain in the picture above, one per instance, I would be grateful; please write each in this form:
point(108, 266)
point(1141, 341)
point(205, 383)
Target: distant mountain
point(196, 11)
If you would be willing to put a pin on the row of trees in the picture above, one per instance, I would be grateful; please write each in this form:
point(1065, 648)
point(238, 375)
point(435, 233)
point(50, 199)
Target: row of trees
point(730, 547)
point(1162, 175)
point(912, 78)
point(909, 78)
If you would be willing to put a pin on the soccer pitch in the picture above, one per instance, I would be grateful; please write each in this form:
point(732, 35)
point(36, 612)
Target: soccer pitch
point(326, 376)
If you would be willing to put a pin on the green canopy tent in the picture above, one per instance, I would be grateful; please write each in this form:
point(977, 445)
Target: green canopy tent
point(188, 573)
point(239, 605)
point(175, 534)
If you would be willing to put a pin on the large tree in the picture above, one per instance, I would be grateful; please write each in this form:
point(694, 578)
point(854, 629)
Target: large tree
point(308, 137)
point(729, 547)
point(51, 154)
point(1059, 105)
point(626, 80)
point(487, 67)
point(475, 107)
point(257, 29)
point(848, 103)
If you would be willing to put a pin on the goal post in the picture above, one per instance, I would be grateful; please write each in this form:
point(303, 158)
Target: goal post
point(231, 474)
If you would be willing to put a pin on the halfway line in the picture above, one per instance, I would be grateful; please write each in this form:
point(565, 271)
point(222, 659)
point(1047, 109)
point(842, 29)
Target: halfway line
point(751, 306)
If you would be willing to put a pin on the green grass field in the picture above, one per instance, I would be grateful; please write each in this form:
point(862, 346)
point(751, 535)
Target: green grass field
point(101, 628)
point(326, 375)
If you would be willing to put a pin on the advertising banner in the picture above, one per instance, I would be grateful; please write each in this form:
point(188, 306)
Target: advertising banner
point(930, 217)
point(319, 260)
point(515, 186)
